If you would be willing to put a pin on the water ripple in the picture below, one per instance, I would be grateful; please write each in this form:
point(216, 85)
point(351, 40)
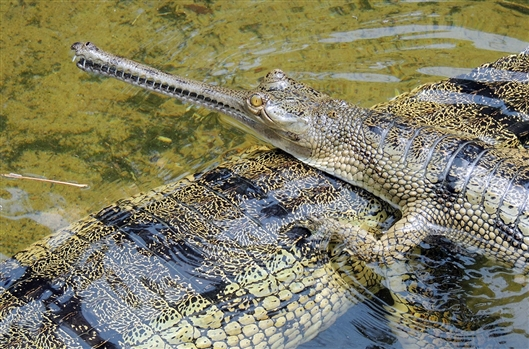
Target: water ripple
point(481, 40)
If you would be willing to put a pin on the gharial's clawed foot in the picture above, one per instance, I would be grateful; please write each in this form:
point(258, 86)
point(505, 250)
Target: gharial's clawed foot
point(359, 239)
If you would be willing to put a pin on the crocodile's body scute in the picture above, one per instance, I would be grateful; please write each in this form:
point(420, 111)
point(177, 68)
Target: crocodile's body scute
point(213, 259)
point(444, 184)
point(489, 103)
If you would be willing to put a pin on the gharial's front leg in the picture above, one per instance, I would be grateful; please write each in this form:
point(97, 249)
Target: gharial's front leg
point(375, 246)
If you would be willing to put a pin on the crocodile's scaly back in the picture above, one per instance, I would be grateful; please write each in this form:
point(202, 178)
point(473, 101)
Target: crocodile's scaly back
point(490, 103)
point(448, 183)
point(217, 260)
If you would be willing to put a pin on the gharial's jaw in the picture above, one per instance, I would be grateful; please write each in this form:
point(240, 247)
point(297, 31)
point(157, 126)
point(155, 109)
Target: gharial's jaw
point(256, 111)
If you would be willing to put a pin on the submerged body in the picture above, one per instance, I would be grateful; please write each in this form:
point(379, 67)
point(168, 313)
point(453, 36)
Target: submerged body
point(447, 183)
point(216, 261)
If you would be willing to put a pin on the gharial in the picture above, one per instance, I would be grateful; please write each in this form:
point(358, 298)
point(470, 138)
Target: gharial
point(222, 259)
point(215, 260)
point(444, 182)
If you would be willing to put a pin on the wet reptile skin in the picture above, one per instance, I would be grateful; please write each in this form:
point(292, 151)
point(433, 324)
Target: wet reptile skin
point(216, 261)
point(490, 103)
point(457, 182)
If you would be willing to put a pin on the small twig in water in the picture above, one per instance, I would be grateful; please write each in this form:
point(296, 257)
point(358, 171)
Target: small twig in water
point(17, 176)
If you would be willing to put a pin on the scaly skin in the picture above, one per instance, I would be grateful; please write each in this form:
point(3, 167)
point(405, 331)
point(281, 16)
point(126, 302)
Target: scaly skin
point(217, 260)
point(489, 103)
point(444, 183)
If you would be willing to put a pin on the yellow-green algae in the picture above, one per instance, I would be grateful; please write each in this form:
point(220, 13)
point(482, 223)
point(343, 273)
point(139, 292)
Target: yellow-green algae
point(60, 123)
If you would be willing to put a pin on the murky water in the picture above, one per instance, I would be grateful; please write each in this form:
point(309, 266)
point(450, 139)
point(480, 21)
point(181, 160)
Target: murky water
point(59, 123)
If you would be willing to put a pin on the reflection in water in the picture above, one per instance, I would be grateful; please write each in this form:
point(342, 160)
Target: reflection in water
point(444, 300)
point(481, 40)
point(446, 72)
point(19, 207)
point(346, 76)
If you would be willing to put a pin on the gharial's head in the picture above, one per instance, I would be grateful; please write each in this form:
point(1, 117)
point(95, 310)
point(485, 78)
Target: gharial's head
point(287, 113)
point(282, 111)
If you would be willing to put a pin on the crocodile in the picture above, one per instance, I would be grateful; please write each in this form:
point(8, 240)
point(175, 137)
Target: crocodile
point(454, 183)
point(488, 103)
point(215, 260)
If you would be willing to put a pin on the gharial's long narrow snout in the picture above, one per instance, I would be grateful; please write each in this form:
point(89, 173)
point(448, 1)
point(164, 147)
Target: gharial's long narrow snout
point(247, 107)
point(92, 59)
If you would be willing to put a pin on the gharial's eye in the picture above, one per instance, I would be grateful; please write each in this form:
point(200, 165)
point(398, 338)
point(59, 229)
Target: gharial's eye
point(256, 101)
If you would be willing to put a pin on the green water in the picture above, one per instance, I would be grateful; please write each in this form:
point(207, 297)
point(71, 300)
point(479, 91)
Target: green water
point(60, 123)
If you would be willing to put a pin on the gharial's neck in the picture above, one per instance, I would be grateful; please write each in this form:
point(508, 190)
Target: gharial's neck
point(353, 146)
